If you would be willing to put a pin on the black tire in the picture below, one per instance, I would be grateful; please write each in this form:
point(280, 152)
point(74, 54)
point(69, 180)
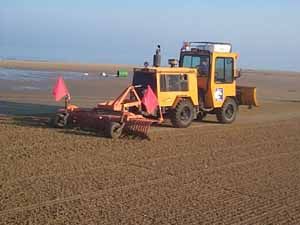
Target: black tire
point(60, 120)
point(228, 112)
point(183, 114)
point(201, 115)
point(113, 130)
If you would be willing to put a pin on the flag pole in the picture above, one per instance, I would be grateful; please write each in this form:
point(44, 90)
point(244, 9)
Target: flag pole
point(161, 119)
point(67, 101)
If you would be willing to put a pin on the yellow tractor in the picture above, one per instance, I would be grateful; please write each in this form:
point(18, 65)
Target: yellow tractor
point(202, 82)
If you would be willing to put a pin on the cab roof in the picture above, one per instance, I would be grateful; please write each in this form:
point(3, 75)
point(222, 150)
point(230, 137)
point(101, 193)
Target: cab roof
point(211, 47)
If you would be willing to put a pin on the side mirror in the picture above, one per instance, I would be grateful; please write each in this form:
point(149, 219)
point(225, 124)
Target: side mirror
point(238, 73)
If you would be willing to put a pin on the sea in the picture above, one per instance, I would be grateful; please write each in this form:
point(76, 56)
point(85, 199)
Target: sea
point(31, 80)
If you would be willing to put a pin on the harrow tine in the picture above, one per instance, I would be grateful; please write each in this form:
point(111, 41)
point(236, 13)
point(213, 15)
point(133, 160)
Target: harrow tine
point(138, 127)
point(146, 128)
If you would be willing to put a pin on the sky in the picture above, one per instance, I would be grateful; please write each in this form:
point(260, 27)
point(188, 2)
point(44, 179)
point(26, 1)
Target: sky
point(266, 34)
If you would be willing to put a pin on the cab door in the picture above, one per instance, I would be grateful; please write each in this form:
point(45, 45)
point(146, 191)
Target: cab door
point(222, 78)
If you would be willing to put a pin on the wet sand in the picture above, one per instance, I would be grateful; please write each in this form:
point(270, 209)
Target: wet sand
point(62, 66)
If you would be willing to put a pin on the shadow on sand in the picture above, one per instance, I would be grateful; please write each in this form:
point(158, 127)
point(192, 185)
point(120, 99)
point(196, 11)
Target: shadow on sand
point(169, 125)
point(27, 114)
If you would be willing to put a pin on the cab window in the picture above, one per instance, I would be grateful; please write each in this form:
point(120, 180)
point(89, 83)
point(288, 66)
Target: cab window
point(192, 61)
point(224, 70)
point(199, 62)
point(187, 61)
point(173, 82)
point(142, 79)
point(195, 61)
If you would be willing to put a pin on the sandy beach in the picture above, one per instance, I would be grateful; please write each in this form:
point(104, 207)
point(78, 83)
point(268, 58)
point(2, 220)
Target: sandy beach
point(62, 66)
point(243, 173)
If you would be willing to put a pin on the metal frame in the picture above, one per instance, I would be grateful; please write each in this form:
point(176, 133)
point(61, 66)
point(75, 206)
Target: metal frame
point(197, 44)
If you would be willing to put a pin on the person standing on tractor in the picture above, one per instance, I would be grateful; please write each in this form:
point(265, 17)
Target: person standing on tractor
point(204, 67)
point(203, 70)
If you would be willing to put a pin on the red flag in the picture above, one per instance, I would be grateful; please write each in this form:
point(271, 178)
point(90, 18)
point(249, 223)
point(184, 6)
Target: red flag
point(60, 90)
point(149, 100)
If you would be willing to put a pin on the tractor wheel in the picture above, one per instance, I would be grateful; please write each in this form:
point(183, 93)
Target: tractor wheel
point(228, 112)
point(113, 130)
point(201, 115)
point(60, 120)
point(183, 114)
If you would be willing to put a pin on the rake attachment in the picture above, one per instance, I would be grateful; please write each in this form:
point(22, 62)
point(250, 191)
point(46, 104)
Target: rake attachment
point(124, 114)
point(138, 127)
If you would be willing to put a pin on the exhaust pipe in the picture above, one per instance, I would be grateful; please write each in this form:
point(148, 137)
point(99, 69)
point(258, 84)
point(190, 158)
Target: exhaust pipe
point(157, 57)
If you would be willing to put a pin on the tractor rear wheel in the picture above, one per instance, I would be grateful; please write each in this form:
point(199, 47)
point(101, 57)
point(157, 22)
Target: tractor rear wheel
point(228, 112)
point(113, 130)
point(183, 114)
point(60, 120)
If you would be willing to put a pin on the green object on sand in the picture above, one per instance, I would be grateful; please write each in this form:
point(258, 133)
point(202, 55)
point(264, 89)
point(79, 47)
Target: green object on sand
point(122, 73)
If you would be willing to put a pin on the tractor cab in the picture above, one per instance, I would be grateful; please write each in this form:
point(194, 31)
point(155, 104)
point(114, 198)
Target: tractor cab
point(208, 58)
point(217, 73)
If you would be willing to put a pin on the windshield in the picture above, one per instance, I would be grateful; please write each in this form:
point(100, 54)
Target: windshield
point(192, 61)
point(201, 62)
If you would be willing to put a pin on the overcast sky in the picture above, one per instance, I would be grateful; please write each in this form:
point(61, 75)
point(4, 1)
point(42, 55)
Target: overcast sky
point(265, 33)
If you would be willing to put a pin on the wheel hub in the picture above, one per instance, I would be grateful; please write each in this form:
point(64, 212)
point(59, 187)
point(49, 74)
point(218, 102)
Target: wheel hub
point(229, 111)
point(185, 114)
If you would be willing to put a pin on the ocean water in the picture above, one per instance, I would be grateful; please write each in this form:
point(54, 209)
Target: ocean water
point(31, 75)
point(29, 80)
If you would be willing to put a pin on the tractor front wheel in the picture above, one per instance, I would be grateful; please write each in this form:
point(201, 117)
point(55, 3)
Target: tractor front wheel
point(228, 112)
point(113, 130)
point(183, 114)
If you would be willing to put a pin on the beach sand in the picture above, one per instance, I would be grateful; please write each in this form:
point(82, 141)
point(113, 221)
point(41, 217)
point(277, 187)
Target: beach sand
point(243, 173)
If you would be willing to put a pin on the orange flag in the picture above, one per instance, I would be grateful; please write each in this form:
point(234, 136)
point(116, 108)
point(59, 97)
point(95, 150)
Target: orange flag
point(149, 100)
point(60, 90)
